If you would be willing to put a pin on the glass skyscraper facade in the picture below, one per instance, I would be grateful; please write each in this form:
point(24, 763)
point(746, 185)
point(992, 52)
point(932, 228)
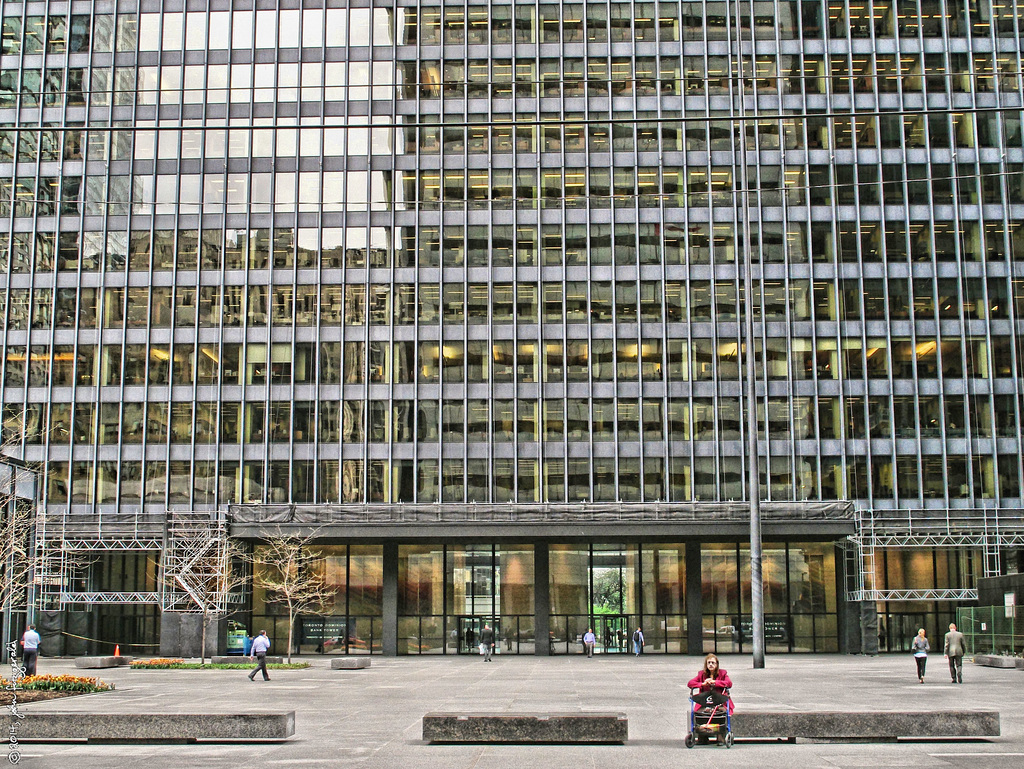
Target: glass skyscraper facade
point(453, 254)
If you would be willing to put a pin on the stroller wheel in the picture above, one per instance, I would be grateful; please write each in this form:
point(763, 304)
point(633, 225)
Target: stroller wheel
point(728, 739)
point(688, 741)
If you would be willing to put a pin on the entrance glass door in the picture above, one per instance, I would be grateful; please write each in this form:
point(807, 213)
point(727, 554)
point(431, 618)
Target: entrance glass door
point(612, 632)
point(468, 634)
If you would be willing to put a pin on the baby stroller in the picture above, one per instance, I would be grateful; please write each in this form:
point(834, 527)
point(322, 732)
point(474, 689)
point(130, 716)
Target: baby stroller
point(709, 718)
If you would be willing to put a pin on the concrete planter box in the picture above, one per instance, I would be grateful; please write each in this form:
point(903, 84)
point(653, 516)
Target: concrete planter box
point(997, 661)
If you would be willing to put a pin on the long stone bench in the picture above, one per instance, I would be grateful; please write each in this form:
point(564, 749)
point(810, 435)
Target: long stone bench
point(156, 727)
point(98, 662)
point(876, 726)
point(995, 661)
point(241, 659)
point(350, 663)
point(563, 728)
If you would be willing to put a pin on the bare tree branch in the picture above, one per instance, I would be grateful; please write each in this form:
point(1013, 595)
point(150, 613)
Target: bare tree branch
point(286, 566)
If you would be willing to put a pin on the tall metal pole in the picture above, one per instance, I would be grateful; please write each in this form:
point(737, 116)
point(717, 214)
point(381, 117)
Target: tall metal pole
point(753, 479)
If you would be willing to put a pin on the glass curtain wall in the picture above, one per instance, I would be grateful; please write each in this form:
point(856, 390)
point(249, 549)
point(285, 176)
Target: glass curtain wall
point(448, 593)
point(920, 569)
point(351, 624)
point(799, 597)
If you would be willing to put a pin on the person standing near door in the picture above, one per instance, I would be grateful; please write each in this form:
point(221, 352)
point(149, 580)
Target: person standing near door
point(487, 642)
point(638, 642)
point(470, 639)
point(589, 639)
point(953, 647)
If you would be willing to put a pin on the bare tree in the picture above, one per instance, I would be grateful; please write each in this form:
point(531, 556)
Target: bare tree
point(17, 524)
point(285, 565)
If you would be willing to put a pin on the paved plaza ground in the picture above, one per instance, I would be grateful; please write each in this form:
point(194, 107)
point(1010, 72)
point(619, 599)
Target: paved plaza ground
point(372, 718)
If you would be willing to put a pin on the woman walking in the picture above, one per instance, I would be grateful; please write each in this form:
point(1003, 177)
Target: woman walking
point(920, 647)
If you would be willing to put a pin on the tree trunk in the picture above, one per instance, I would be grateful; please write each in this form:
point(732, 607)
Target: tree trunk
point(202, 642)
point(291, 631)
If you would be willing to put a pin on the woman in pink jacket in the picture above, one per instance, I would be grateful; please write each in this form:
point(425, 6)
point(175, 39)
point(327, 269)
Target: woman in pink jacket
point(712, 677)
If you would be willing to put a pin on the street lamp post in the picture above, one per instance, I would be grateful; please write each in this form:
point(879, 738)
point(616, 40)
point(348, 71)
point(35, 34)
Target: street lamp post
point(753, 479)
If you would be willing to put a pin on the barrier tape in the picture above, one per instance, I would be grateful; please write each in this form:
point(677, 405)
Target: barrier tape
point(99, 640)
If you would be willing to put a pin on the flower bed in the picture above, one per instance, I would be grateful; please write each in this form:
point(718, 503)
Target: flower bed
point(158, 663)
point(65, 683)
point(179, 664)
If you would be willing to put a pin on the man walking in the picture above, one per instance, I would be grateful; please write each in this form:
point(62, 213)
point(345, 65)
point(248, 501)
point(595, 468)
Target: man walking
point(589, 639)
point(260, 647)
point(487, 642)
point(638, 642)
point(30, 644)
point(954, 648)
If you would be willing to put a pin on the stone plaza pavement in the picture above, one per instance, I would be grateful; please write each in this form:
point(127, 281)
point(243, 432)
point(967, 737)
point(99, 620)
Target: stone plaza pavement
point(372, 718)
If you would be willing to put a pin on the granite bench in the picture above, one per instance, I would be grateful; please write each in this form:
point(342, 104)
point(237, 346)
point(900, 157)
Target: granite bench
point(157, 727)
point(561, 728)
point(241, 659)
point(865, 727)
point(996, 661)
point(350, 663)
point(99, 662)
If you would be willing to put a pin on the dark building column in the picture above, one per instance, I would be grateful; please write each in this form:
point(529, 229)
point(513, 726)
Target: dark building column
point(694, 601)
point(541, 600)
point(389, 640)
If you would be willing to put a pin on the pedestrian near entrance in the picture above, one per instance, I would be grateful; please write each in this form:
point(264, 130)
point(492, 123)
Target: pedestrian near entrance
point(260, 647)
point(589, 639)
point(920, 648)
point(470, 639)
point(638, 642)
point(487, 642)
point(30, 650)
point(953, 647)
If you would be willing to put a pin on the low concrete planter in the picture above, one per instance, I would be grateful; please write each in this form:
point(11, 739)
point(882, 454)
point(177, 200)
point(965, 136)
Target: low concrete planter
point(558, 728)
point(124, 661)
point(156, 727)
point(996, 661)
point(98, 662)
point(865, 726)
point(350, 663)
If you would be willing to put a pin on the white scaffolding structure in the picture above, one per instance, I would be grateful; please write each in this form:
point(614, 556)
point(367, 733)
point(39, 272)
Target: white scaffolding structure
point(986, 530)
point(188, 548)
point(195, 564)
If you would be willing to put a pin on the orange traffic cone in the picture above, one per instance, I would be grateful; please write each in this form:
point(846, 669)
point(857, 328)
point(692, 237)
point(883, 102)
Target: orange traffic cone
point(117, 650)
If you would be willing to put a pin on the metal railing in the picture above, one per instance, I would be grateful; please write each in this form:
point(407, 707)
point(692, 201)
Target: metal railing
point(992, 629)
